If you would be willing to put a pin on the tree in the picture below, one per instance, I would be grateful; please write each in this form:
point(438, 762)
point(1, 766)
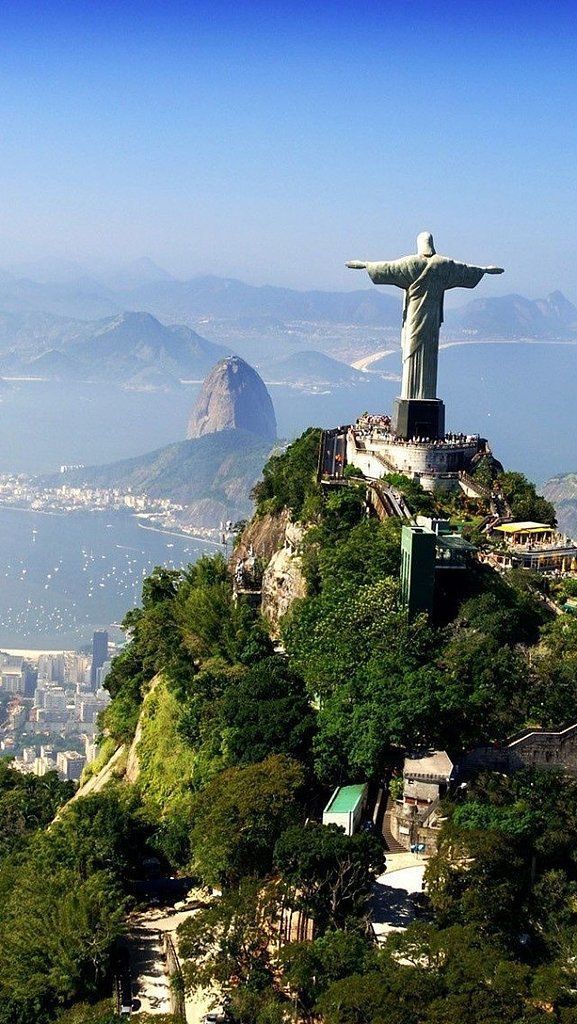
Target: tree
point(100, 832)
point(212, 625)
point(461, 975)
point(310, 967)
point(290, 479)
point(486, 683)
point(480, 879)
point(525, 503)
point(552, 695)
point(514, 618)
point(239, 815)
point(364, 999)
point(367, 553)
point(514, 820)
point(343, 510)
point(329, 874)
point(56, 936)
point(229, 943)
point(125, 682)
point(426, 976)
point(184, 616)
point(375, 673)
point(267, 711)
point(162, 585)
point(89, 1013)
point(27, 803)
point(328, 636)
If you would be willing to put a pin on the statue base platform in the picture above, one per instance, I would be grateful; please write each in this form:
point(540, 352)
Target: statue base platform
point(419, 417)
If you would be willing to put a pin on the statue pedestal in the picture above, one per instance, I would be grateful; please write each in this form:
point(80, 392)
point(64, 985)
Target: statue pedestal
point(419, 417)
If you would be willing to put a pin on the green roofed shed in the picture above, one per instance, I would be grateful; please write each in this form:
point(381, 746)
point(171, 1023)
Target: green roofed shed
point(345, 808)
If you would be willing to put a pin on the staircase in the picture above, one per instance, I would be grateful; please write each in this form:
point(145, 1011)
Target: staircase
point(472, 487)
point(392, 845)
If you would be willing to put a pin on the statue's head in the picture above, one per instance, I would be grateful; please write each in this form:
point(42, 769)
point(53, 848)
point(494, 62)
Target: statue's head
point(425, 245)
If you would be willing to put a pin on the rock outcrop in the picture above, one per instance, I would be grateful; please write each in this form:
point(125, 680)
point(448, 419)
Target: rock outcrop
point(233, 397)
point(283, 581)
point(262, 537)
point(133, 763)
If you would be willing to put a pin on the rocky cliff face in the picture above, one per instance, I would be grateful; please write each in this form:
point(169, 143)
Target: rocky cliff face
point(283, 581)
point(232, 397)
point(562, 491)
point(263, 537)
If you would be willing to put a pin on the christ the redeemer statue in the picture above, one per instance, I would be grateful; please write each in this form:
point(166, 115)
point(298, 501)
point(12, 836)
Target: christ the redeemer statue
point(425, 277)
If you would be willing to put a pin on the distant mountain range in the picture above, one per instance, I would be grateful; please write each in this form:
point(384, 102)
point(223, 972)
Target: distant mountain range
point(111, 324)
point(310, 367)
point(132, 348)
point(226, 298)
point(513, 316)
point(211, 475)
point(69, 290)
point(136, 289)
point(562, 491)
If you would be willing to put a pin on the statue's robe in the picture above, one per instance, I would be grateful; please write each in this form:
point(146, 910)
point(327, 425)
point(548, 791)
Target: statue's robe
point(424, 280)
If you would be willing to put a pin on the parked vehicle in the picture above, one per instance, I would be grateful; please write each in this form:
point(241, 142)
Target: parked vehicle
point(369, 827)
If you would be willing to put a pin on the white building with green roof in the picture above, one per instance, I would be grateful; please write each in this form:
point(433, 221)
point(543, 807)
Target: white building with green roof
point(345, 807)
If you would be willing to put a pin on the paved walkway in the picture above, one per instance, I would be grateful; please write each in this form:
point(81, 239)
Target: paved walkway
point(151, 986)
point(150, 983)
point(393, 906)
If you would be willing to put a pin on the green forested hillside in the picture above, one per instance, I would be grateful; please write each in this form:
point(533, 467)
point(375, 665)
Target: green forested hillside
point(220, 467)
point(241, 745)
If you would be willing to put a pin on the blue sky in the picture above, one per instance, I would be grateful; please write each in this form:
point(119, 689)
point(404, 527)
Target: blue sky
point(272, 141)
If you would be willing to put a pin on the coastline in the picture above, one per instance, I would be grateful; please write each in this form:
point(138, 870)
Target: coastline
point(101, 511)
point(181, 536)
point(36, 511)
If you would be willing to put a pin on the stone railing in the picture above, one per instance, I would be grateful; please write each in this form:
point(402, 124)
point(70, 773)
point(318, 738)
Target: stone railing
point(174, 972)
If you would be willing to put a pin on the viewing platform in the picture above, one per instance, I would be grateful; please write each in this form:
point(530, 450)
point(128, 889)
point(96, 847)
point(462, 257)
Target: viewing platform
point(436, 463)
point(530, 545)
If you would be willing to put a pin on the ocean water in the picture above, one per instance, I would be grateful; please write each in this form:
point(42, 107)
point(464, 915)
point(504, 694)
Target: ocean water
point(83, 571)
point(44, 425)
point(63, 576)
point(521, 396)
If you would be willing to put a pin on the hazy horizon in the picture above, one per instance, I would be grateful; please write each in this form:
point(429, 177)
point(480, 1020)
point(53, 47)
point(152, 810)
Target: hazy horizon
point(273, 142)
point(49, 270)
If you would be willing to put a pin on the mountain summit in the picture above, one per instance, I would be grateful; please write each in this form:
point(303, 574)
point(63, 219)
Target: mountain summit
point(233, 397)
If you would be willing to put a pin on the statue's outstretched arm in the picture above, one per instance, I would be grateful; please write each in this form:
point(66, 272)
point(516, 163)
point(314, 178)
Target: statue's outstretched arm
point(401, 272)
point(479, 270)
point(398, 272)
point(463, 275)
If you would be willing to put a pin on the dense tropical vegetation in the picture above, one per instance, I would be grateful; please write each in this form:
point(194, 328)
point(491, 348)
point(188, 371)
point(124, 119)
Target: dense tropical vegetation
point(240, 745)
